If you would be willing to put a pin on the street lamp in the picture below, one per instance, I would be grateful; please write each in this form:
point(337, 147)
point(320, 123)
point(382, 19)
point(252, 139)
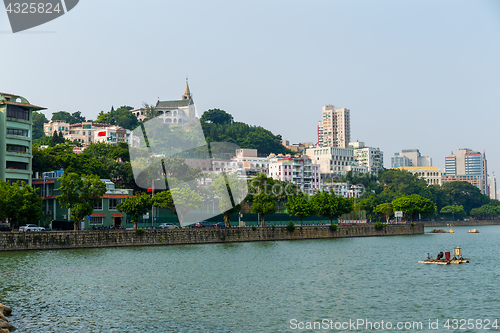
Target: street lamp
point(152, 203)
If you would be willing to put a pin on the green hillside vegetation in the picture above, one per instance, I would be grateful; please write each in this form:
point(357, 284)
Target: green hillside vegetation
point(219, 126)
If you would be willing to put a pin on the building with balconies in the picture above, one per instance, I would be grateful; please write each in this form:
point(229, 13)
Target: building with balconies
point(333, 160)
point(298, 170)
point(369, 157)
point(57, 216)
point(16, 124)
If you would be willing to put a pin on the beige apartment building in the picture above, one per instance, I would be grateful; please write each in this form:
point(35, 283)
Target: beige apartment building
point(88, 132)
point(335, 128)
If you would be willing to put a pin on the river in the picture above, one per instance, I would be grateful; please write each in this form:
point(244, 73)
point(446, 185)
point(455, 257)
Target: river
point(257, 287)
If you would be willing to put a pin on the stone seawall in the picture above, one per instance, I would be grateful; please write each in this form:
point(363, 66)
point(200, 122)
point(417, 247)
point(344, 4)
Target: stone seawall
point(460, 223)
point(20, 241)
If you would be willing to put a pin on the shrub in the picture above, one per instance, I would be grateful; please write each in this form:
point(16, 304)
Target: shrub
point(161, 239)
point(274, 227)
point(291, 226)
point(333, 227)
point(140, 231)
point(21, 240)
point(301, 228)
point(413, 224)
point(379, 226)
point(254, 228)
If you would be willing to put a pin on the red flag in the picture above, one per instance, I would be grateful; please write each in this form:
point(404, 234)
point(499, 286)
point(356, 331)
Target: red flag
point(101, 133)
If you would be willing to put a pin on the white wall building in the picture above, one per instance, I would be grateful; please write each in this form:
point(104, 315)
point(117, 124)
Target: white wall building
point(430, 174)
point(369, 157)
point(89, 132)
point(346, 190)
point(297, 170)
point(333, 160)
point(173, 112)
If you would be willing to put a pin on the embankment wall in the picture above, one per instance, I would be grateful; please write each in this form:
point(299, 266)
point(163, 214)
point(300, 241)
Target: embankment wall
point(49, 240)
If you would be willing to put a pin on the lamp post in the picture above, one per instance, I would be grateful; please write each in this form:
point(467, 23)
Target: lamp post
point(152, 203)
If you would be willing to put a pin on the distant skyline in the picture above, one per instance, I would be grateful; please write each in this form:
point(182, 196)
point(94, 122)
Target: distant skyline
point(414, 74)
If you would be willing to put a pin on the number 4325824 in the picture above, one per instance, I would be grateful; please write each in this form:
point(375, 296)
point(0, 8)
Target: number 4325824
point(32, 8)
point(470, 324)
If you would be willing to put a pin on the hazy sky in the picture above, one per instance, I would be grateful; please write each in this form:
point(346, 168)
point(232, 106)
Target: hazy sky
point(415, 74)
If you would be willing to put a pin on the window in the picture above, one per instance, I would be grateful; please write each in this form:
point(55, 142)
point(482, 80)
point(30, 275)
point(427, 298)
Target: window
point(17, 112)
point(113, 203)
point(17, 131)
point(16, 165)
point(17, 148)
point(95, 220)
point(98, 205)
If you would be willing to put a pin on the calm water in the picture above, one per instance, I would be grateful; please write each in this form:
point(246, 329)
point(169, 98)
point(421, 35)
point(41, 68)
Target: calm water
point(253, 287)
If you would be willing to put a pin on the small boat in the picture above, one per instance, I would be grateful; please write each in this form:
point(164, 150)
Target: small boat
point(457, 258)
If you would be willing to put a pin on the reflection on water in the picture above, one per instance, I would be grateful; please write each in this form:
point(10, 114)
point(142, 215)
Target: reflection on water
point(250, 287)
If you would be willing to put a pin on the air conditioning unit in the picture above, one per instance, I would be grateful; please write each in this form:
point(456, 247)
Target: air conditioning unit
point(65, 217)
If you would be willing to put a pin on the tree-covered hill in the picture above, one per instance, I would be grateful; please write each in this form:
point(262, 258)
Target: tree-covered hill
point(219, 126)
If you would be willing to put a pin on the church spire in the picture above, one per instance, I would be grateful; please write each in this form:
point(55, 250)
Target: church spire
point(187, 93)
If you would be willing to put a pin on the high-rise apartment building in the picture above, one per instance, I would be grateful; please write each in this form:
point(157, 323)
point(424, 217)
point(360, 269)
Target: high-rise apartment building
point(492, 186)
point(369, 157)
point(410, 158)
point(16, 121)
point(467, 165)
point(334, 130)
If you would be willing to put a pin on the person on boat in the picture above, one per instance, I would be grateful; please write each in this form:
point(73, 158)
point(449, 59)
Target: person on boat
point(440, 256)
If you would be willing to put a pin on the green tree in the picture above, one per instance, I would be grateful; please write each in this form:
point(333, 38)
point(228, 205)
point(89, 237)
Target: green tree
point(121, 117)
point(180, 200)
point(229, 184)
point(385, 209)
point(330, 206)
point(368, 204)
point(453, 210)
point(80, 193)
point(413, 205)
point(263, 204)
point(245, 136)
point(150, 111)
point(136, 206)
point(217, 116)
point(485, 211)
point(19, 203)
point(38, 120)
point(74, 118)
point(299, 206)
point(465, 194)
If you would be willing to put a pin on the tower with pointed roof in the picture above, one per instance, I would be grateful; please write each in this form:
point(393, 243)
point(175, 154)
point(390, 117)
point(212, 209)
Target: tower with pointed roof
point(187, 93)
